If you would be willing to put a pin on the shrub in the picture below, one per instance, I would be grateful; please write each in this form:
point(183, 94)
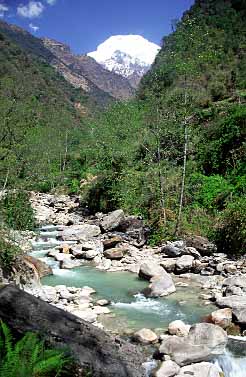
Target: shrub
point(230, 234)
point(28, 357)
point(8, 252)
point(16, 211)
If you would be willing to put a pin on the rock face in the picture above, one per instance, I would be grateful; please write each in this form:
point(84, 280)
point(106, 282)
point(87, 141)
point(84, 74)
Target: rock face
point(105, 355)
point(203, 343)
point(42, 268)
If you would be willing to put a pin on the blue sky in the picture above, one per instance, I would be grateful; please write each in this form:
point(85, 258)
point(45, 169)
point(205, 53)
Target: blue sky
point(84, 24)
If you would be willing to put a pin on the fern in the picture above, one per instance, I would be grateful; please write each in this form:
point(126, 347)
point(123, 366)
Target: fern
point(28, 357)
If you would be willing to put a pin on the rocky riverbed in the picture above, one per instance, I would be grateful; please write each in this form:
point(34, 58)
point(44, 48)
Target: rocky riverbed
point(116, 243)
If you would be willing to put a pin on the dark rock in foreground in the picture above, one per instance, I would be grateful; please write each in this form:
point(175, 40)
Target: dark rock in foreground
point(105, 355)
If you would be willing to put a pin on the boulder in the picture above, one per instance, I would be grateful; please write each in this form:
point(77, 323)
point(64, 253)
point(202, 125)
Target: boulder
point(200, 370)
point(169, 264)
point(112, 220)
point(178, 328)
point(184, 264)
point(145, 336)
point(222, 317)
point(202, 244)
point(102, 302)
point(111, 242)
point(114, 253)
point(42, 268)
point(160, 286)
point(71, 263)
point(235, 281)
point(149, 269)
point(77, 251)
point(91, 347)
point(167, 369)
point(204, 342)
point(48, 294)
point(171, 251)
point(81, 232)
point(135, 229)
point(237, 304)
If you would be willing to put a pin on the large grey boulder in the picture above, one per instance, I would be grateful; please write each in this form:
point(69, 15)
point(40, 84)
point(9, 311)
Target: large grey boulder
point(145, 336)
point(202, 244)
point(81, 232)
point(92, 348)
point(184, 264)
point(112, 220)
point(149, 269)
point(160, 286)
point(237, 304)
point(115, 253)
point(172, 251)
point(200, 370)
point(204, 342)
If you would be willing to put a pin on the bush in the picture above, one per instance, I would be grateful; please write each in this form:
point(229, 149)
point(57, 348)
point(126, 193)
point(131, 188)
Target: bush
point(230, 235)
point(16, 211)
point(28, 357)
point(8, 252)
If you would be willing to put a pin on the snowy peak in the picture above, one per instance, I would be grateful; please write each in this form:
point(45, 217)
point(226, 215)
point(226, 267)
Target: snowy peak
point(127, 55)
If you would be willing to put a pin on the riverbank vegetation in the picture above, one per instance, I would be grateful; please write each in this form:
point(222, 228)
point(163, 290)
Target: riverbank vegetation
point(174, 155)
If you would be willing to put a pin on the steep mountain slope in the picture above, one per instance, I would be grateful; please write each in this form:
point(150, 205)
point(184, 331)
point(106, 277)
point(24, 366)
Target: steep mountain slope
point(128, 55)
point(36, 48)
point(86, 68)
point(211, 37)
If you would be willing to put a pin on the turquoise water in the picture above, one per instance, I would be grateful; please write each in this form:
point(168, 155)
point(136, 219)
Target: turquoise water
point(132, 309)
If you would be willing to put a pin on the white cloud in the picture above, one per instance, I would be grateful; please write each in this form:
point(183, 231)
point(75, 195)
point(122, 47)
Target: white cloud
point(3, 9)
point(31, 10)
point(51, 2)
point(33, 27)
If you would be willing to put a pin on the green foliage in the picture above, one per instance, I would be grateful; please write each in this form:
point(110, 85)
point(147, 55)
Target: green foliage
point(28, 357)
point(16, 211)
point(231, 230)
point(8, 252)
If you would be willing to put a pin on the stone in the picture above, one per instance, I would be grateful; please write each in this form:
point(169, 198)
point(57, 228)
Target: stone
point(111, 242)
point(203, 369)
point(238, 281)
point(90, 254)
point(70, 263)
point(77, 251)
point(145, 336)
point(87, 315)
point(114, 253)
point(167, 369)
point(112, 220)
point(222, 317)
point(48, 294)
point(204, 342)
point(101, 310)
point(160, 286)
point(60, 257)
point(184, 263)
point(237, 304)
point(149, 269)
point(102, 302)
point(178, 328)
point(64, 249)
point(193, 252)
point(169, 264)
point(202, 244)
point(134, 229)
point(42, 268)
point(81, 232)
point(171, 251)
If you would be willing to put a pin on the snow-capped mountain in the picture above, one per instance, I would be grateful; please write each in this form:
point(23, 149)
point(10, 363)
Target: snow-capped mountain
point(127, 55)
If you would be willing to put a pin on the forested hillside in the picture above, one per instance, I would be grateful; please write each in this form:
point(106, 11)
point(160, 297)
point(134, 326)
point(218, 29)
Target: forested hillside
point(176, 155)
point(40, 111)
